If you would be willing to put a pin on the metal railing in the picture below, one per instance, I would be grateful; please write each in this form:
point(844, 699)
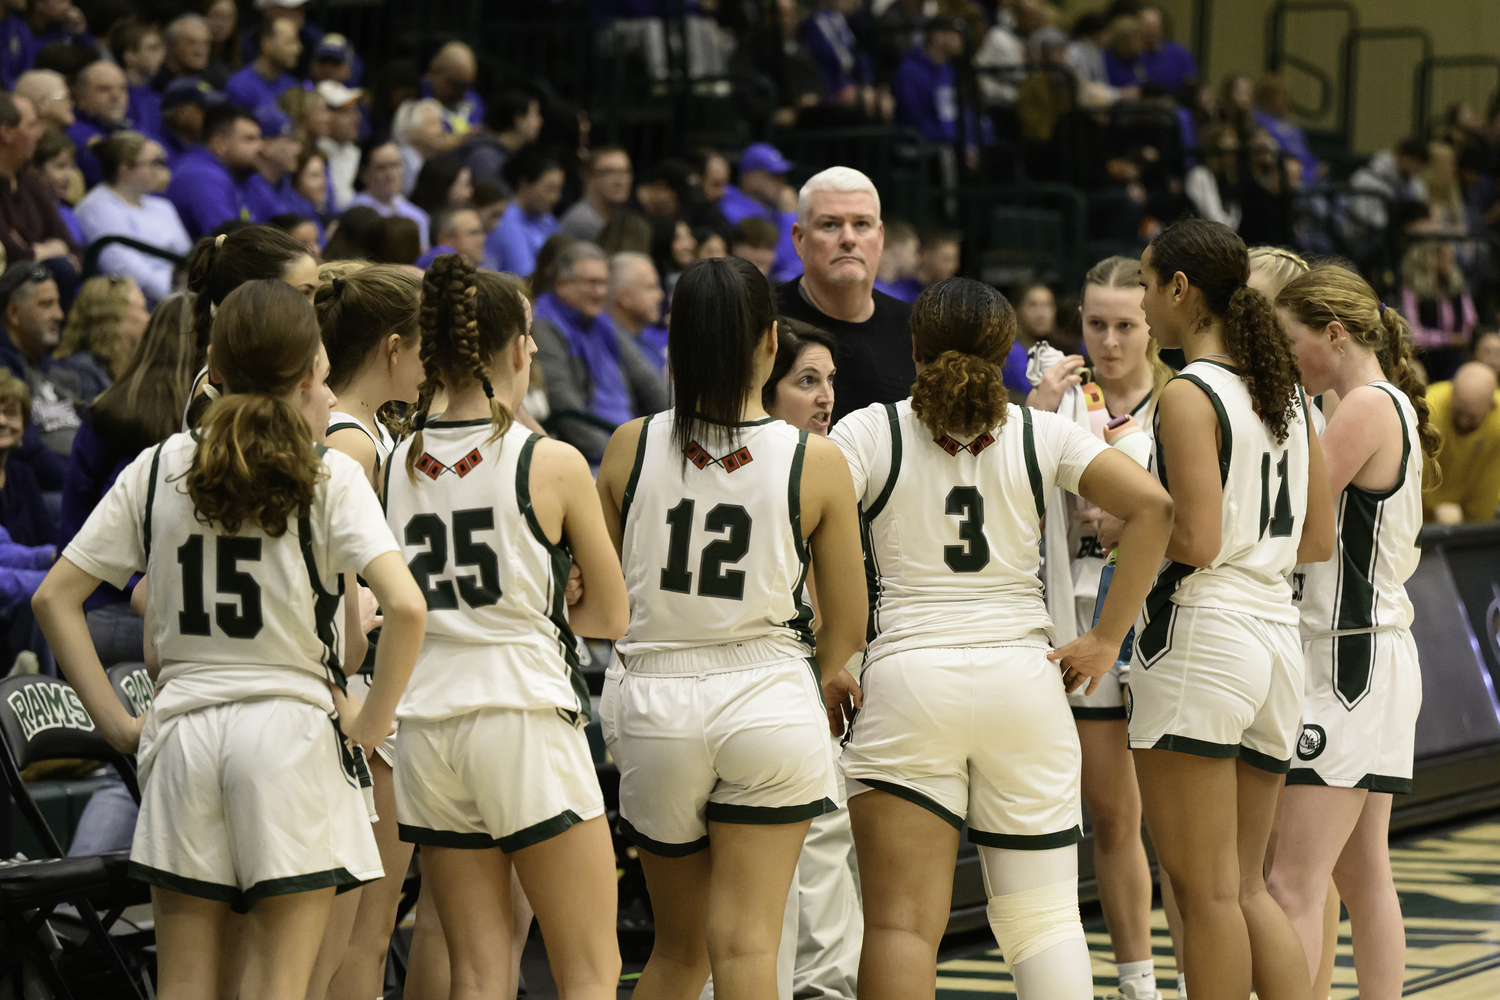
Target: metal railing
point(94, 249)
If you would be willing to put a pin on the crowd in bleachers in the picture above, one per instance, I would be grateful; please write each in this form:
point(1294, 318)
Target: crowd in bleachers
point(136, 132)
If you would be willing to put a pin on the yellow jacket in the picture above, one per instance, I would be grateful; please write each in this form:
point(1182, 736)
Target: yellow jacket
point(1470, 463)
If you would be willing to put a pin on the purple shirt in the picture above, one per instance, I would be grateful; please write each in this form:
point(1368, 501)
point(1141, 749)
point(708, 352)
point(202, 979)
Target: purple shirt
point(145, 111)
point(514, 243)
point(399, 206)
point(735, 205)
point(905, 289)
point(925, 97)
point(250, 90)
point(653, 344)
point(85, 131)
point(1171, 67)
point(597, 344)
point(17, 49)
point(1292, 141)
point(205, 193)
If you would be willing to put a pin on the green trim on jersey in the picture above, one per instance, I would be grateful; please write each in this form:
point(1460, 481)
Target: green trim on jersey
point(1026, 842)
point(509, 844)
point(915, 797)
point(151, 499)
point(390, 463)
point(1405, 450)
point(1264, 761)
point(873, 586)
point(1374, 782)
point(1099, 714)
point(635, 474)
point(1217, 364)
point(802, 623)
point(325, 607)
point(349, 425)
point(657, 847)
point(1153, 639)
point(477, 422)
point(1033, 467)
point(341, 879)
point(1198, 748)
point(562, 564)
point(724, 812)
point(1226, 449)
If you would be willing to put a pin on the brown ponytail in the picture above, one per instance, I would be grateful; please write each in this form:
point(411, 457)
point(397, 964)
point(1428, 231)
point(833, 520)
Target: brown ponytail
point(963, 331)
point(467, 317)
point(1213, 259)
point(255, 462)
point(1331, 294)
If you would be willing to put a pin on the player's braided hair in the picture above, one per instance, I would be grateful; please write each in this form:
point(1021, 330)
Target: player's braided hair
point(963, 330)
point(467, 317)
point(1279, 265)
point(1213, 259)
point(1331, 294)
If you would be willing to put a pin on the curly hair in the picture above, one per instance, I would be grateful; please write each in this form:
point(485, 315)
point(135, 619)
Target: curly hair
point(95, 323)
point(358, 310)
point(467, 316)
point(963, 330)
point(1213, 259)
point(255, 462)
point(1331, 294)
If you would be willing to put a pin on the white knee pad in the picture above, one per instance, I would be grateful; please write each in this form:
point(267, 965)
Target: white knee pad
point(1027, 923)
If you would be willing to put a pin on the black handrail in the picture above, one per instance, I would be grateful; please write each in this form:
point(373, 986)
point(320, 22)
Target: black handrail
point(91, 255)
point(1425, 73)
point(1350, 56)
point(1276, 53)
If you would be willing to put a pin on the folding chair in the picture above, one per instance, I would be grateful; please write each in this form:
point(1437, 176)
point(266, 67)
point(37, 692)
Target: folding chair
point(42, 718)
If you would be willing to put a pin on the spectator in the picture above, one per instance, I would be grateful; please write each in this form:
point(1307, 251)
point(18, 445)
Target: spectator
point(188, 42)
point(1466, 412)
point(101, 333)
point(340, 147)
point(898, 263)
point(1046, 95)
point(635, 304)
point(924, 84)
point(776, 51)
point(673, 248)
point(514, 120)
point(128, 204)
point(33, 321)
point(1213, 186)
point(450, 79)
point(839, 238)
point(207, 185)
point(1036, 315)
point(263, 80)
point(1122, 60)
point(639, 27)
point(547, 259)
point(591, 366)
point(665, 189)
point(310, 35)
point(399, 241)
point(53, 159)
point(490, 202)
point(764, 192)
point(606, 188)
point(184, 104)
point(48, 91)
point(1273, 106)
point(627, 231)
point(713, 175)
point(269, 190)
point(30, 228)
point(1161, 60)
point(1487, 348)
point(754, 239)
point(1436, 302)
point(17, 45)
point(333, 59)
point(223, 17)
point(709, 244)
point(847, 71)
point(380, 189)
point(455, 230)
point(302, 229)
point(939, 256)
point(1000, 62)
point(23, 518)
point(1444, 195)
point(309, 113)
point(310, 183)
point(1086, 51)
point(417, 130)
point(1393, 174)
point(139, 51)
point(58, 22)
point(101, 99)
point(528, 221)
point(444, 183)
point(355, 235)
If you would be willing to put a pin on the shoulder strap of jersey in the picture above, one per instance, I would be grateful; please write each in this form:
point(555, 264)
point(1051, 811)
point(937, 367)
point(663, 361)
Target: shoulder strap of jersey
point(894, 421)
point(151, 498)
point(325, 605)
point(562, 561)
point(802, 622)
point(1033, 467)
point(1226, 449)
point(1392, 391)
point(523, 489)
point(635, 471)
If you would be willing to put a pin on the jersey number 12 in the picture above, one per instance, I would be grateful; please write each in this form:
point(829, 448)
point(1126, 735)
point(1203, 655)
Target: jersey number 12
point(713, 579)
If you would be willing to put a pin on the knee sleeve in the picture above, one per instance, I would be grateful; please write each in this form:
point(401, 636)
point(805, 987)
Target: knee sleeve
point(1033, 899)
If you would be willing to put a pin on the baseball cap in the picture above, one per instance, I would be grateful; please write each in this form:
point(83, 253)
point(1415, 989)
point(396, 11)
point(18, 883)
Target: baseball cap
point(764, 156)
point(336, 94)
point(334, 47)
point(190, 90)
point(22, 272)
point(274, 123)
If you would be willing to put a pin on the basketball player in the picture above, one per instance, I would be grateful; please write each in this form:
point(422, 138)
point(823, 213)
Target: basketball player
point(1216, 675)
point(1364, 685)
point(965, 718)
point(713, 708)
point(492, 768)
point(242, 531)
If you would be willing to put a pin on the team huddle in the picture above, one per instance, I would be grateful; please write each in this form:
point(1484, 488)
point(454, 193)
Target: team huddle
point(1177, 594)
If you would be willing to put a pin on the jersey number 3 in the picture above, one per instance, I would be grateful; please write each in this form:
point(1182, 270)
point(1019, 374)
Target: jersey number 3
point(974, 554)
point(242, 623)
point(713, 579)
point(429, 530)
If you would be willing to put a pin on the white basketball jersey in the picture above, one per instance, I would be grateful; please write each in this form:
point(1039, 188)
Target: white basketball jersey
point(953, 530)
point(713, 551)
point(380, 437)
point(1362, 588)
point(235, 616)
point(497, 618)
point(1264, 509)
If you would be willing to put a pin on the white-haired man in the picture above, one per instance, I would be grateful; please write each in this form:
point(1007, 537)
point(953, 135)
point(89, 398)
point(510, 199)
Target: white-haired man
point(839, 237)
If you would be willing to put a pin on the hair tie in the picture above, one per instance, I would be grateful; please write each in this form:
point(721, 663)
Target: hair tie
point(338, 287)
point(419, 421)
point(489, 390)
point(1382, 308)
point(219, 240)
